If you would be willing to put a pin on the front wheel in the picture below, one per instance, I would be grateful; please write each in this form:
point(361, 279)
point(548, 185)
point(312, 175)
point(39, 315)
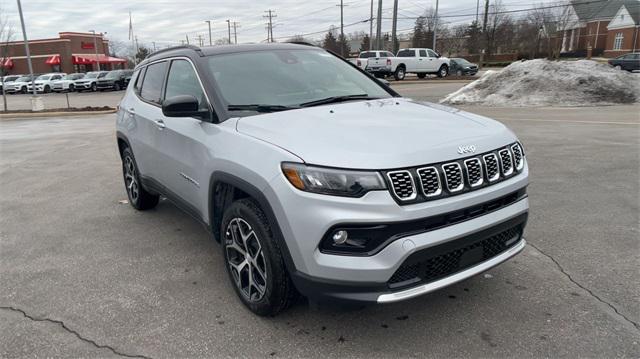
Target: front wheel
point(399, 74)
point(116, 87)
point(618, 67)
point(139, 198)
point(71, 88)
point(94, 87)
point(459, 73)
point(443, 71)
point(253, 259)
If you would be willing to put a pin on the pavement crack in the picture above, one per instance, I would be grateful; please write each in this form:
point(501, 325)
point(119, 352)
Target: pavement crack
point(594, 295)
point(77, 334)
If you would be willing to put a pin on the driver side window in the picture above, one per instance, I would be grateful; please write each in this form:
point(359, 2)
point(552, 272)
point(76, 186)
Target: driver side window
point(182, 80)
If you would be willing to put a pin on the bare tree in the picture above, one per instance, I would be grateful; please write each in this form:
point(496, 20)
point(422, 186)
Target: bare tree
point(552, 23)
point(499, 26)
point(453, 40)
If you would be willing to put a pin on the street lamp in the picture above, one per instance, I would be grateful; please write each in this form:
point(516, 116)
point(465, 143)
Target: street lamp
point(95, 47)
point(210, 41)
point(229, 27)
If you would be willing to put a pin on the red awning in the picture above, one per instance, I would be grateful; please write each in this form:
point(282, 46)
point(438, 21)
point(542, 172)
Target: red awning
point(53, 60)
point(6, 63)
point(85, 59)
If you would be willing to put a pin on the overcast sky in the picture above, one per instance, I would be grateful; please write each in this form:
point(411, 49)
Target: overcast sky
point(168, 21)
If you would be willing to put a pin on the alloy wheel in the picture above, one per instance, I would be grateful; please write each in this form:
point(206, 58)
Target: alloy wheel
point(245, 259)
point(131, 179)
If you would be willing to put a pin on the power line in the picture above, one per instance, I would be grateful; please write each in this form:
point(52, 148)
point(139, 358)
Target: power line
point(270, 16)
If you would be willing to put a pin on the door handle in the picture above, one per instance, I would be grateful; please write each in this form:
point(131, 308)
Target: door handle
point(160, 124)
point(131, 111)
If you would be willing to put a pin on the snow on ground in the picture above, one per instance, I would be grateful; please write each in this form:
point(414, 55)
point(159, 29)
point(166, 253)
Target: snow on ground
point(550, 83)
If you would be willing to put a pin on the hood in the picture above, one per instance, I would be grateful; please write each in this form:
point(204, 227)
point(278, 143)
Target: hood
point(377, 134)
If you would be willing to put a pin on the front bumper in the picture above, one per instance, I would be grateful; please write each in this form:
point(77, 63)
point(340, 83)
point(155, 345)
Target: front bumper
point(83, 86)
point(308, 217)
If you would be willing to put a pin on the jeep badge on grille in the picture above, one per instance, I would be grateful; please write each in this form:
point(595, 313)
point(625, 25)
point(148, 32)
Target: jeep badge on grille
point(466, 149)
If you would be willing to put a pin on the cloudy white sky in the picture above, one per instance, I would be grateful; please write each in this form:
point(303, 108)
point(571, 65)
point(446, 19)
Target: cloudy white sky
point(166, 22)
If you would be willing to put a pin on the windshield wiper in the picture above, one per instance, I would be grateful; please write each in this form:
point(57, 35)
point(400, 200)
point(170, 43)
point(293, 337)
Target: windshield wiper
point(335, 99)
point(260, 108)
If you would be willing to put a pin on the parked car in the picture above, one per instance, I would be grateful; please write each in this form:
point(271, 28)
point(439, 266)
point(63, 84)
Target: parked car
point(7, 80)
point(66, 83)
point(19, 85)
point(462, 67)
point(88, 82)
point(317, 179)
point(628, 62)
point(414, 60)
point(114, 80)
point(363, 58)
point(43, 83)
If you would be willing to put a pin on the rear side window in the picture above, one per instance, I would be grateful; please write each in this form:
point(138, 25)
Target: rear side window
point(423, 53)
point(139, 76)
point(406, 53)
point(182, 80)
point(152, 84)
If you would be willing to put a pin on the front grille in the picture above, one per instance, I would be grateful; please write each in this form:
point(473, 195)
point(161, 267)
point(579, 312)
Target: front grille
point(402, 185)
point(517, 156)
point(505, 162)
point(474, 172)
point(453, 177)
point(430, 181)
point(449, 258)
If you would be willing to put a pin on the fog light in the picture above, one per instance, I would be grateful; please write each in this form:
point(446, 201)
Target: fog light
point(340, 237)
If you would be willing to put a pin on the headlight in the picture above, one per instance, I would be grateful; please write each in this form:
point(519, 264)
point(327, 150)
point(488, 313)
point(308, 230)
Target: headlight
point(336, 182)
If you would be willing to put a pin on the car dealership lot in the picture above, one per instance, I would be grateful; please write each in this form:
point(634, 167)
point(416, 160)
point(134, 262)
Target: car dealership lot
point(83, 274)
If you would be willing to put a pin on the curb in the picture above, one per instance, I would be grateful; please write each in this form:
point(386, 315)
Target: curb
point(411, 82)
point(44, 114)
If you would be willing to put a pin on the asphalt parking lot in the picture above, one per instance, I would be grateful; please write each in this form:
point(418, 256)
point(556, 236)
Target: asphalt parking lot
point(85, 275)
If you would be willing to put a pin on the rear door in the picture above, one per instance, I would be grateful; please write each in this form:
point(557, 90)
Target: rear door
point(182, 142)
point(632, 62)
point(409, 58)
point(147, 112)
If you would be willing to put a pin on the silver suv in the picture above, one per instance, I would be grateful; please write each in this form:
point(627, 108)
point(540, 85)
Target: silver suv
point(318, 179)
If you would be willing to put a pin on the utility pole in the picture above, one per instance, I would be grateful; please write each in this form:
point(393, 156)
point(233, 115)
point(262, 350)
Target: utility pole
point(394, 42)
point(270, 16)
point(484, 31)
point(229, 28)
point(211, 41)
point(187, 36)
point(371, 28)
point(477, 11)
point(154, 45)
point(95, 48)
point(235, 32)
point(200, 40)
point(435, 27)
point(342, 39)
point(379, 29)
point(34, 106)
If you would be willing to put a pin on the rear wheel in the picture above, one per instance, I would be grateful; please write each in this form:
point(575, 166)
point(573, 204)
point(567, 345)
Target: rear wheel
point(94, 87)
point(47, 89)
point(253, 259)
point(116, 86)
point(23, 89)
point(71, 88)
point(139, 198)
point(400, 73)
point(618, 67)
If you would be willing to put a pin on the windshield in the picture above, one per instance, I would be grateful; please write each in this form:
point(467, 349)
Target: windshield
point(288, 78)
point(44, 77)
point(462, 61)
point(91, 75)
point(112, 75)
point(11, 78)
point(24, 79)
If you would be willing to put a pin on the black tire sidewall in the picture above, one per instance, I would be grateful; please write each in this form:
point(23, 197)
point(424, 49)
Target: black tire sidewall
point(249, 211)
point(400, 74)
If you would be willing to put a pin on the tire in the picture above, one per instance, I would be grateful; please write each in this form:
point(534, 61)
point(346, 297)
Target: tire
point(421, 76)
point(47, 89)
point(400, 73)
point(23, 90)
point(116, 87)
point(459, 73)
point(94, 87)
point(618, 67)
point(139, 198)
point(443, 71)
point(262, 283)
point(71, 88)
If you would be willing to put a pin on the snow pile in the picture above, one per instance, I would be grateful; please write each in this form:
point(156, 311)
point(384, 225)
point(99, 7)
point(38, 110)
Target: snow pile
point(550, 83)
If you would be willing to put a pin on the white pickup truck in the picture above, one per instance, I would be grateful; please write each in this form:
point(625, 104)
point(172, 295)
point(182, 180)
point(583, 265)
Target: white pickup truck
point(364, 57)
point(412, 60)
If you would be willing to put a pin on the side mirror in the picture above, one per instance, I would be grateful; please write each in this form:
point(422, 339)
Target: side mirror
point(438, 55)
point(182, 106)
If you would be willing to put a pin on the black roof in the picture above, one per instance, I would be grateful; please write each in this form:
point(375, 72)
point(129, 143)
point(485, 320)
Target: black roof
point(221, 49)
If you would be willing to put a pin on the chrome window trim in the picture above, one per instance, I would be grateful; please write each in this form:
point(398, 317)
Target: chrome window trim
point(501, 164)
point(521, 165)
point(497, 176)
point(436, 193)
point(481, 181)
point(444, 172)
point(414, 193)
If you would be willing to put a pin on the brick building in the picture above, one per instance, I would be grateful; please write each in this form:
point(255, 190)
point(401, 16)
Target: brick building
point(595, 24)
point(70, 52)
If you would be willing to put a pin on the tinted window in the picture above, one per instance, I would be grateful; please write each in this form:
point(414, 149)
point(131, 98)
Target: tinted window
point(432, 53)
point(182, 80)
point(366, 55)
point(423, 53)
point(406, 53)
point(139, 76)
point(152, 84)
point(388, 54)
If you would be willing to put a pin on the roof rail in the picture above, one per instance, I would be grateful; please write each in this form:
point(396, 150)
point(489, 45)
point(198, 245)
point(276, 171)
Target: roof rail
point(185, 47)
point(301, 43)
